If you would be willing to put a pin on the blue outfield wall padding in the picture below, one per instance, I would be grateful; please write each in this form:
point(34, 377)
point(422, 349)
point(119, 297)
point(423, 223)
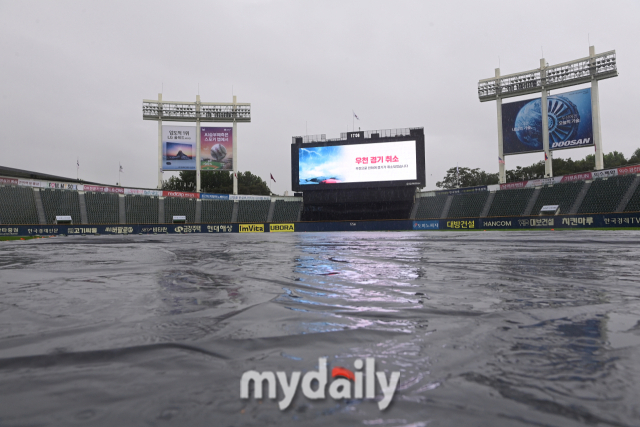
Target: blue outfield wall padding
point(611, 220)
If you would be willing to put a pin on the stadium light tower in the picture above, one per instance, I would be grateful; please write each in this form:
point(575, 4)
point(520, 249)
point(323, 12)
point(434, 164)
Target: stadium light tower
point(177, 111)
point(590, 69)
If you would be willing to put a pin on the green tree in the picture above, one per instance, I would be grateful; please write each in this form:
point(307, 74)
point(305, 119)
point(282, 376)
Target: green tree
point(466, 177)
point(614, 159)
point(635, 158)
point(218, 182)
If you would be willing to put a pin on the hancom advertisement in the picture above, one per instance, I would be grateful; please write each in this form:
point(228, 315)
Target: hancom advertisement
point(384, 161)
point(569, 116)
point(178, 148)
point(216, 149)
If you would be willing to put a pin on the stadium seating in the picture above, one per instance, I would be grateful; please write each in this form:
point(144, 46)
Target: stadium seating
point(286, 211)
point(102, 208)
point(141, 209)
point(563, 195)
point(605, 195)
point(430, 207)
point(510, 202)
point(634, 202)
point(467, 205)
point(216, 210)
point(179, 206)
point(60, 202)
point(17, 205)
point(253, 210)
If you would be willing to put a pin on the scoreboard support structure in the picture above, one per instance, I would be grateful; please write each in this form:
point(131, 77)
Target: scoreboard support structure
point(590, 69)
point(179, 111)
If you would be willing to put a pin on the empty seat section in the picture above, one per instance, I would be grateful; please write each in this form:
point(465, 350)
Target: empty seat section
point(102, 208)
point(179, 206)
point(141, 209)
point(253, 210)
point(284, 211)
point(60, 202)
point(634, 202)
point(17, 205)
point(431, 207)
point(605, 195)
point(467, 205)
point(563, 195)
point(510, 202)
point(216, 210)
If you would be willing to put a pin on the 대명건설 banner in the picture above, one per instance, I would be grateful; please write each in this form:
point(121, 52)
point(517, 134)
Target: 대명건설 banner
point(569, 117)
point(178, 148)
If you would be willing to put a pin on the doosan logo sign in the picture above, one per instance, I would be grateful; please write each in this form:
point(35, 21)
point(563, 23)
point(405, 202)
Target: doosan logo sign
point(571, 143)
point(346, 384)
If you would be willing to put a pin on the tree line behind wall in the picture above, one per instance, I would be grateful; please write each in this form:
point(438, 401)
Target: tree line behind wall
point(218, 182)
point(467, 177)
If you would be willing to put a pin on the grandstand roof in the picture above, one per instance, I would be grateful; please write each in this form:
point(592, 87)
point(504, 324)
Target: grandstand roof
point(21, 173)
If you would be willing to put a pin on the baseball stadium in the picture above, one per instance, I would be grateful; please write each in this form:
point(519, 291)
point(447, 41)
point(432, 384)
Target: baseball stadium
point(364, 294)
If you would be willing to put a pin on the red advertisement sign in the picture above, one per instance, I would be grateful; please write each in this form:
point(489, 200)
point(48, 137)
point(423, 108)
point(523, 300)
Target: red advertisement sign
point(576, 177)
point(8, 181)
point(629, 169)
point(513, 185)
point(181, 194)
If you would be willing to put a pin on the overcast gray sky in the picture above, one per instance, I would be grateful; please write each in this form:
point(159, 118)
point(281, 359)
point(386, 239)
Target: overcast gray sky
point(74, 73)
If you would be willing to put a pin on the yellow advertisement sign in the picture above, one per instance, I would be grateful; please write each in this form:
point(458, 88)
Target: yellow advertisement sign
point(252, 228)
point(281, 227)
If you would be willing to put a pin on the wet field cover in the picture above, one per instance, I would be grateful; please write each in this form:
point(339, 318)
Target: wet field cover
point(486, 329)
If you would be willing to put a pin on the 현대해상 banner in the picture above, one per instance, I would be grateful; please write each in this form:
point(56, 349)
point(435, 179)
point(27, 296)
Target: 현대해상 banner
point(178, 148)
point(384, 161)
point(568, 115)
point(216, 148)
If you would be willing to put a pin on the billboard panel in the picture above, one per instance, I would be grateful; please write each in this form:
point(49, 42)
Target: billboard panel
point(178, 148)
point(569, 117)
point(216, 148)
point(386, 161)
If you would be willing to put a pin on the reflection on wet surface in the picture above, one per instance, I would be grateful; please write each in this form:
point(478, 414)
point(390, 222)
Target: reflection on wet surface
point(496, 328)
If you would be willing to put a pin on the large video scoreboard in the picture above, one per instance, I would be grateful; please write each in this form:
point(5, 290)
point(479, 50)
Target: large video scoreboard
point(359, 161)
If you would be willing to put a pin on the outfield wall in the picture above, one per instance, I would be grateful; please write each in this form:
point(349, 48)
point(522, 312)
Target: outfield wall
point(588, 221)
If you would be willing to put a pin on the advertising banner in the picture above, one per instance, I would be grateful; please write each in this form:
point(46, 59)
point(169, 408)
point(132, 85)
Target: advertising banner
point(385, 161)
point(104, 189)
point(607, 173)
point(251, 228)
point(245, 197)
point(426, 225)
point(463, 190)
point(569, 117)
point(629, 169)
point(32, 183)
point(9, 181)
point(178, 148)
point(279, 228)
point(182, 194)
point(576, 177)
point(216, 149)
point(211, 196)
